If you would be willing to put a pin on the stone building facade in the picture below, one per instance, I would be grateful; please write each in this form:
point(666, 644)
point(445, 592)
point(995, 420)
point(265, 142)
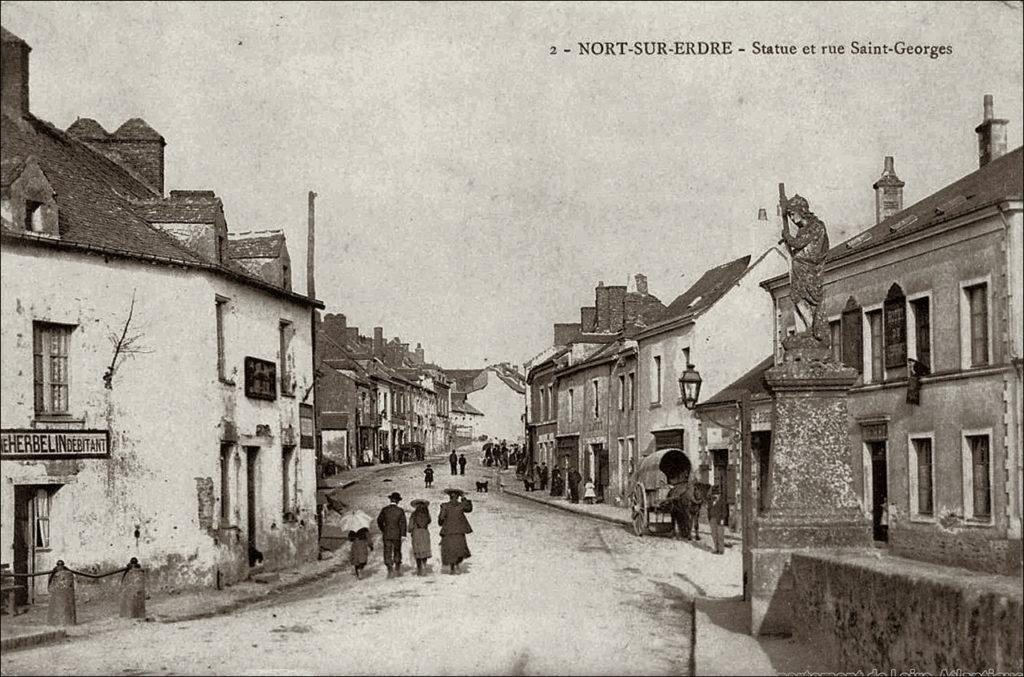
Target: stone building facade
point(163, 410)
point(927, 306)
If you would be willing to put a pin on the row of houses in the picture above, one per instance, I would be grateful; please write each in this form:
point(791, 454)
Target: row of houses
point(167, 394)
point(925, 303)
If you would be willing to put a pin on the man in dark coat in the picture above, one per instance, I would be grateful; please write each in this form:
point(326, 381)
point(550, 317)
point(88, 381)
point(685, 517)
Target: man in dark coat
point(462, 464)
point(543, 476)
point(574, 485)
point(393, 527)
point(453, 461)
point(717, 511)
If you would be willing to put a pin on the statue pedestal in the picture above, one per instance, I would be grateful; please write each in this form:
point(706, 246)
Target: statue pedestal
point(811, 498)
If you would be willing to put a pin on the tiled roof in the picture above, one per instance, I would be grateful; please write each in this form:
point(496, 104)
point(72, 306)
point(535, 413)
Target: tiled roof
point(86, 129)
point(1000, 179)
point(8, 36)
point(465, 379)
point(711, 286)
point(464, 407)
point(182, 206)
point(263, 244)
point(99, 201)
point(137, 129)
point(511, 382)
point(752, 381)
point(93, 194)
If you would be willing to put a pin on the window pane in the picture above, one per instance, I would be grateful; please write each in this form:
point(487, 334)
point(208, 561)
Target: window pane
point(922, 333)
point(980, 463)
point(835, 335)
point(978, 299)
point(924, 476)
point(875, 326)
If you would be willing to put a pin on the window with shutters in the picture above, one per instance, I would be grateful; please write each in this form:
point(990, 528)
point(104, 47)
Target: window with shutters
point(622, 392)
point(50, 348)
point(221, 310)
point(285, 334)
point(853, 335)
point(975, 325)
point(921, 476)
point(919, 330)
point(595, 389)
point(835, 333)
point(632, 390)
point(875, 358)
point(572, 403)
point(977, 475)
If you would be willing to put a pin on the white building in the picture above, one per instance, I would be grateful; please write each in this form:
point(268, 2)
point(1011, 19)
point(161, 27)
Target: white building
point(156, 398)
point(499, 393)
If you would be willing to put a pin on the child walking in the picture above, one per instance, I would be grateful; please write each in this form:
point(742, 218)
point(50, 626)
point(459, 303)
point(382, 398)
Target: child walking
point(359, 550)
point(420, 534)
point(428, 476)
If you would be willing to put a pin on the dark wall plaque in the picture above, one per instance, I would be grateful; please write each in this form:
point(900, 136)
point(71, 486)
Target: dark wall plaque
point(43, 444)
point(260, 379)
point(895, 322)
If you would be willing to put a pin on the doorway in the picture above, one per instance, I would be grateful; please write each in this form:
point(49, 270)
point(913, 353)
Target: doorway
point(602, 468)
point(879, 491)
point(252, 455)
point(24, 542)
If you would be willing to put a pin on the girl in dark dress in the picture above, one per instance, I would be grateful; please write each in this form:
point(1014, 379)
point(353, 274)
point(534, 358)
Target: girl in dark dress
point(454, 527)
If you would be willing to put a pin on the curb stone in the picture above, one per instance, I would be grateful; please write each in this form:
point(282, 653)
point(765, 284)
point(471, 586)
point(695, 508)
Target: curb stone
point(32, 639)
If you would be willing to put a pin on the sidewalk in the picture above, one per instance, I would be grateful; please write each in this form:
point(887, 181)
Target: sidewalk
point(602, 511)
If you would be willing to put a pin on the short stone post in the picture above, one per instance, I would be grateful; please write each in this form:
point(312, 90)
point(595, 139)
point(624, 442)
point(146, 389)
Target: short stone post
point(61, 587)
point(133, 591)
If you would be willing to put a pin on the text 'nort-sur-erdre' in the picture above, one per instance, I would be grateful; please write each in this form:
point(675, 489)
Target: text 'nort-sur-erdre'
point(757, 48)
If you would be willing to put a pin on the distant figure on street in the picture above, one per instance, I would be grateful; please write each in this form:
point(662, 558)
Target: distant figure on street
point(542, 475)
point(529, 478)
point(680, 497)
point(556, 482)
point(574, 485)
point(588, 492)
point(419, 534)
point(428, 476)
point(716, 518)
point(392, 524)
point(453, 461)
point(454, 527)
point(462, 464)
point(359, 549)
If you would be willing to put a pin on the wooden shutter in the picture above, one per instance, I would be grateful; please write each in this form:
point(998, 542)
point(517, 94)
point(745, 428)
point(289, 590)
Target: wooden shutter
point(894, 320)
point(853, 336)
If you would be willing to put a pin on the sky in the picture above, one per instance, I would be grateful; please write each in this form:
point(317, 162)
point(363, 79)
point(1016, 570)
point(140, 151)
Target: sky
point(473, 188)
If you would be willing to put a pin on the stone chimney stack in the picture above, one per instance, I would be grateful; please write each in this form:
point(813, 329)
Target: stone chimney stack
point(135, 146)
point(991, 131)
point(641, 283)
point(14, 93)
point(420, 356)
point(378, 342)
point(601, 303)
point(888, 192)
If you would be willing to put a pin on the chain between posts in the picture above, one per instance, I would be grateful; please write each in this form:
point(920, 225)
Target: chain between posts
point(132, 564)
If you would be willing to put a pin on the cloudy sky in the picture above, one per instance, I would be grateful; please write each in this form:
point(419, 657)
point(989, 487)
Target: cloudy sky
point(473, 188)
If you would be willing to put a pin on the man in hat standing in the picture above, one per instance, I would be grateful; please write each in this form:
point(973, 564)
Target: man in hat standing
point(453, 461)
point(392, 524)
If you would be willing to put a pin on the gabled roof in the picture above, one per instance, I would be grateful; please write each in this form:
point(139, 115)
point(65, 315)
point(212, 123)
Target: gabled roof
point(465, 380)
point(752, 382)
point(263, 244)
point(7, 36)
point(711, 286)
point(98, 203)
point(1000, 179)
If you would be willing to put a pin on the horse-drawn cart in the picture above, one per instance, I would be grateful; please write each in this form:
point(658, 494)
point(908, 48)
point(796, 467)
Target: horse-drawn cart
point(651, 483)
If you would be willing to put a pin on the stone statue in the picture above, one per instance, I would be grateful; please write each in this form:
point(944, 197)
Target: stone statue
point(807, 251)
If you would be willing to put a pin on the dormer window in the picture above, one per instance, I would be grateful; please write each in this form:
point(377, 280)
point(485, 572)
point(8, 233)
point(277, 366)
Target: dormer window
point(33, 216)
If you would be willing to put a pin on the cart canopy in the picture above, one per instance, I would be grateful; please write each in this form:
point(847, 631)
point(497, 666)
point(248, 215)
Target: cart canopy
point(662, 468)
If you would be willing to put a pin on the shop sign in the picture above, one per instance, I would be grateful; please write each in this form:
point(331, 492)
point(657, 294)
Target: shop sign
point(260, 379)
point(306, 427)
point(49, 444)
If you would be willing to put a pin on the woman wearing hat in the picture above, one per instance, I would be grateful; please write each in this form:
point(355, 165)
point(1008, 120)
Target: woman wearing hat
point(454, 527)
point(420, 535)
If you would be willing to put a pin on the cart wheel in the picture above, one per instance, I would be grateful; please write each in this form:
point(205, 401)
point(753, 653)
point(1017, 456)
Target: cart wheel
point(639, 511)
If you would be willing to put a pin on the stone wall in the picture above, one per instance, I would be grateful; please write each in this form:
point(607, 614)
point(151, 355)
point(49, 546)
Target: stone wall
point(864, 611)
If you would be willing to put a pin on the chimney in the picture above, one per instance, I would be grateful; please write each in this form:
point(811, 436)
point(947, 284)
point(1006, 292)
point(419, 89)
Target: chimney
point(311, 249)
point(420, 358)
point(588, 318)
point(762, 236)
point(641, 283)
point(616, 307)
point(135, 147)
point(991, 131)
point(14, 93)
point(601, 302)
point(888, 192)
point(378, 342)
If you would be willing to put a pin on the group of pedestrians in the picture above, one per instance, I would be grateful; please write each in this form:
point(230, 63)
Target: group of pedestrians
point(501, 455)
point(395, 525)
point(457, 463)
point(535, 475)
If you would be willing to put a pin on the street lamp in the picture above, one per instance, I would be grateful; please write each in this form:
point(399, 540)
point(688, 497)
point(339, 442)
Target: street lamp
point(689, 387)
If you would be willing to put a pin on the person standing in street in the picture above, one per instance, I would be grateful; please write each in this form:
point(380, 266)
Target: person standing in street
point(359, 549)
point(462, 464)
point(453, 461)
point(392, 524)
point(574, 485)
point(419, 534)
point(428, 476)
point(530, 478)
point(543, 476)
point(716, 517)
point(454, 527)
point(556, 482)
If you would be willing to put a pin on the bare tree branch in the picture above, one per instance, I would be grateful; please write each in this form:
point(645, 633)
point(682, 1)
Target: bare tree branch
point(124, 345)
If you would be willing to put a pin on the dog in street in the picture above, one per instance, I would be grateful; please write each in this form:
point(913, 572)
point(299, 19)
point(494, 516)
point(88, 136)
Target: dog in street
point(482, 486)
